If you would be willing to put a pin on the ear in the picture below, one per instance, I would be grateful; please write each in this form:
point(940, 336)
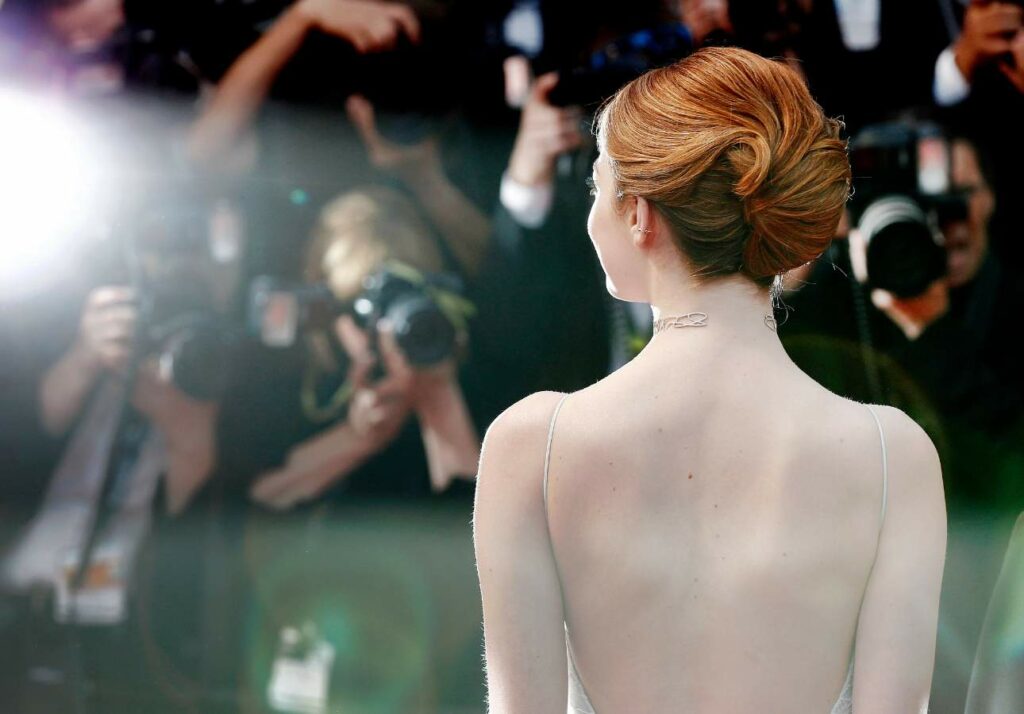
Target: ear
point(643, 221)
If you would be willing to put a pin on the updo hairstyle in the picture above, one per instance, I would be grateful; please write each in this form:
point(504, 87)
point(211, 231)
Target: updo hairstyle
point(733, 152)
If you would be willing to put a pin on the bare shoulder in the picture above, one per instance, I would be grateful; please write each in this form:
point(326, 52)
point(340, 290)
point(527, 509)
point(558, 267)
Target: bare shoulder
point(910, 450)
point(522, 418)
point(514, 445)
point(914, 469)
point(909, 446)
point(509, 502)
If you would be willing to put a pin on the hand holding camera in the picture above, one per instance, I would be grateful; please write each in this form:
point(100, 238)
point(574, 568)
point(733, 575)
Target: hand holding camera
point(376, 413)
point(409, 162)
point(377, 410)
point(415, 159)
point(106, 338)
point(369, 26)
point(106, 329)
point(1014, 70)
point(705, 17)
point(545, 132)
point(989, 34)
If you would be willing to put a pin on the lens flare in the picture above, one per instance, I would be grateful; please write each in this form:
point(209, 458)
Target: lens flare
point(46, 187)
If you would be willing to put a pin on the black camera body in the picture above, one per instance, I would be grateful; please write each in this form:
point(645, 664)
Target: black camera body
point(181, 320)
point(902, 196)
point(192, 344)
point(409, 300)
point(423, 332)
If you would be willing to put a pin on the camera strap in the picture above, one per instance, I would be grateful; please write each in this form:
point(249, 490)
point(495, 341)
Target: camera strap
point(51, 549)
point(443, 289)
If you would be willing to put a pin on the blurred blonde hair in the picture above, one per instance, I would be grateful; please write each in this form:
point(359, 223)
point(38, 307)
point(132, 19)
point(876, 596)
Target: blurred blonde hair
point(359, 230)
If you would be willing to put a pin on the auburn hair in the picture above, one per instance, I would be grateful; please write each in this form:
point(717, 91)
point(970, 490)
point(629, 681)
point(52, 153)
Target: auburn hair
point(735, 154)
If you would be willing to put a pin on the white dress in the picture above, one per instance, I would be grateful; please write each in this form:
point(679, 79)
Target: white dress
point(579, 702)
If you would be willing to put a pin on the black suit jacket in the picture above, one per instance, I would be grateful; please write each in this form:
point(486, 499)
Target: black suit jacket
point(873, 85)
point(543, 309)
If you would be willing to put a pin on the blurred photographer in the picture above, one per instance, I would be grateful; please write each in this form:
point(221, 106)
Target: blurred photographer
point(385, 347)
point(102, 349)
point(912, 307)
point(987, 101)
point(989, 39)
point(539, 237)
point(131, 406)
point(143, 373)
point(535, 235)
point(216, 139)
point(973, 289)
point(866, 60)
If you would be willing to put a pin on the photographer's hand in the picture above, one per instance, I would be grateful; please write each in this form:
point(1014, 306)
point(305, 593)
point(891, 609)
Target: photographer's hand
point(376, 415)
point(409, 162)
point(369, 26)
point(702, 17)
point(987, 34)
point(463, 227)
point(215, 139)
point(449, 436)
point(1013, 69)
point(914, 315)
point(545, 132)
point(377, 411)
point(104, 342)
point(107, 328)
point(411, 382)
point(311, 468)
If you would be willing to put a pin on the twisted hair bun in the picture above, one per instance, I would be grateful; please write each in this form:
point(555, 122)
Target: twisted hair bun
point(736, 155)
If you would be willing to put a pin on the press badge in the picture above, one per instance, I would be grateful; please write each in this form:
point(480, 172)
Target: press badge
point(301, 675)
point(101, 598)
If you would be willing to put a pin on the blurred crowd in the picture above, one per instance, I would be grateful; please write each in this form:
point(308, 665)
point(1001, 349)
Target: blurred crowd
point(327, 242)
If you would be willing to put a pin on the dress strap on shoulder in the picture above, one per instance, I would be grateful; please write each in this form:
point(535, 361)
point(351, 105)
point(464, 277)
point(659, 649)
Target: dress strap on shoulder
point(885, 464)
point(547, 452)
point(844, 704)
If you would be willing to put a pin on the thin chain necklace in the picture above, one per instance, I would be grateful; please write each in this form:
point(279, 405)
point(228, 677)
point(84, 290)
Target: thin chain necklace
point(699, 319)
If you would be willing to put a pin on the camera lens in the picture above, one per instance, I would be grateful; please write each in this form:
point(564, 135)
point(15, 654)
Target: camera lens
point(903, 255)
point(196, 356)
point(422, 331)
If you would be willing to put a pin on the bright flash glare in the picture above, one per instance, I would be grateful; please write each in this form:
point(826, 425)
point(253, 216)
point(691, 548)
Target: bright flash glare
point(45, 187)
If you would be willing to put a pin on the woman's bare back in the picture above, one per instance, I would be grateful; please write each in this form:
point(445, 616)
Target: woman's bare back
point(714, 513)
point(714, 537)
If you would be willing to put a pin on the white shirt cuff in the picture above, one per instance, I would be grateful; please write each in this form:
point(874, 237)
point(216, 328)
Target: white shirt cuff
point(528, 205)
point(950, 85)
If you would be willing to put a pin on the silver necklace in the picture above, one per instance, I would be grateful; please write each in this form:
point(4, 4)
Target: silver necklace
point(690, 319)
point(699, 319)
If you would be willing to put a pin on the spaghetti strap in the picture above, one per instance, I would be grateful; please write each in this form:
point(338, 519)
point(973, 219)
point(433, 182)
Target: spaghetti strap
point(885, 466)
point(547, 452)
point(844, 704)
